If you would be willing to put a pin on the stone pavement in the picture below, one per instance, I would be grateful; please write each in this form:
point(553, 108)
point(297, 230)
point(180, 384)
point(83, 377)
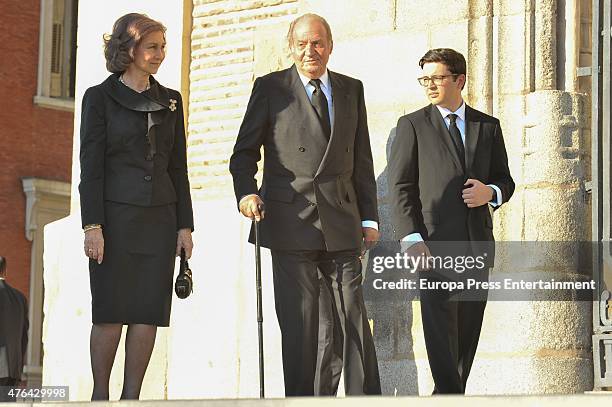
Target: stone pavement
point(589, 399)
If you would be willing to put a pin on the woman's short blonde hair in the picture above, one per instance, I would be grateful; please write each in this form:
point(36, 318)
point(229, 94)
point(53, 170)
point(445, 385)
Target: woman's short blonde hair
point(127, 33)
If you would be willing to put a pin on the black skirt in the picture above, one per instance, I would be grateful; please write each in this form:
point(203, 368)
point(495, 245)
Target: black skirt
point(133, 285)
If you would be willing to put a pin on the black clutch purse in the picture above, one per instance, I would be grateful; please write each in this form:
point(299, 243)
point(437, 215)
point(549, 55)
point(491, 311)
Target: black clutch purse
point(183, 286)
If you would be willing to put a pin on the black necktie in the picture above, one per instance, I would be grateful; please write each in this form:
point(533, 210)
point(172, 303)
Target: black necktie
point(456, 136)
point(319, 102)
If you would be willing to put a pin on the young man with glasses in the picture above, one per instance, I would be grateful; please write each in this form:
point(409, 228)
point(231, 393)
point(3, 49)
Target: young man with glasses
point(447, 166)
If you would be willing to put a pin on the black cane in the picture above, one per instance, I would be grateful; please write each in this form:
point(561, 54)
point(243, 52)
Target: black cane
point(259, 308)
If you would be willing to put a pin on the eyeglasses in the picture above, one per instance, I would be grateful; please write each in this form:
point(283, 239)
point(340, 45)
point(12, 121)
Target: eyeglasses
point(436, 79)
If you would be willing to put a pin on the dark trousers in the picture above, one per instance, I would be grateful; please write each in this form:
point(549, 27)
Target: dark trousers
point(7, 382)
point(323, 323)
point(451, 325)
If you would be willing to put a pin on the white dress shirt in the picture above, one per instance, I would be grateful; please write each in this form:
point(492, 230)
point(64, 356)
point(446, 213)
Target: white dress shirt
point(460, 121)
point(327, 91)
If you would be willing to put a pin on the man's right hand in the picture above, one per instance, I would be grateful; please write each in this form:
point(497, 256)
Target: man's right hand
point(250, 207)
point(419, 249)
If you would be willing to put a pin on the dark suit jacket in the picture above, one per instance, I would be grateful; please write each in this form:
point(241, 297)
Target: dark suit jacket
point(13, 331)
point(426, 177)
point(316, 193)
point(117, 163)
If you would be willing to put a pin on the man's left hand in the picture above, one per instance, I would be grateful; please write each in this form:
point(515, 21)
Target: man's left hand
point(370, 237)
point(476, 194)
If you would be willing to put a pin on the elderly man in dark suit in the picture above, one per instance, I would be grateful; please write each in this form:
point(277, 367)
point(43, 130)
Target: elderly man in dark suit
point(447, 165)
point(319, 191)
point(13, 331)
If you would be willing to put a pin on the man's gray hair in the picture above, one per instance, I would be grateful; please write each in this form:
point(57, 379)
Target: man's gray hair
point(307, 17)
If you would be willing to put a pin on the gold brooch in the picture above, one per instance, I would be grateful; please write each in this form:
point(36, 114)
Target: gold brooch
point(172, 105)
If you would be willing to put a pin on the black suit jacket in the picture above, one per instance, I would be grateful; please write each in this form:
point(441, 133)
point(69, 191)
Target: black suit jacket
point(426, 177)
point(316, 193)
point(133, 150)
point(13, 331)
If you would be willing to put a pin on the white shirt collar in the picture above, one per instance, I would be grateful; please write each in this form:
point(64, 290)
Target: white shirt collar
point(459, 112)
point(324, 80)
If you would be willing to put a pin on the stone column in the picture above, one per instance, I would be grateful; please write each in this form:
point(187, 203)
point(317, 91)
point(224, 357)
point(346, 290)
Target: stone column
point(528, 346)
point(480, 55)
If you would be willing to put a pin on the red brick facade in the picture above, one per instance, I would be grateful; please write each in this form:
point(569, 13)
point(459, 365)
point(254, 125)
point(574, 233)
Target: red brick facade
point(35, 141)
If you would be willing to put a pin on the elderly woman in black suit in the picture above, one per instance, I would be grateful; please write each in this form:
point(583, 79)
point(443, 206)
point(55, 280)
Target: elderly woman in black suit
point(135, 200)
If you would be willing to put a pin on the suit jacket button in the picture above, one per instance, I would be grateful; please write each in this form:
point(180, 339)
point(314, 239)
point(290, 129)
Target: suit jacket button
point(348, 149)
point(302, 149)
point(147, 178)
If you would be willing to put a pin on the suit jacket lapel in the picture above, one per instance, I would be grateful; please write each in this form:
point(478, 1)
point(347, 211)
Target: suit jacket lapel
point(152, 100)
point(155, 102)
point(472, 131)
point(441, 131)
point(339, 103)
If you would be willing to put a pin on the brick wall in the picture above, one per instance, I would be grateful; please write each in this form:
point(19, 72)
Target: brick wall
point(35, 141)
point(222, 74)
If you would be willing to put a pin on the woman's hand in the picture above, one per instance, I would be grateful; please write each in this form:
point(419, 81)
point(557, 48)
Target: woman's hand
point(94, 244)
point(184, 241)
